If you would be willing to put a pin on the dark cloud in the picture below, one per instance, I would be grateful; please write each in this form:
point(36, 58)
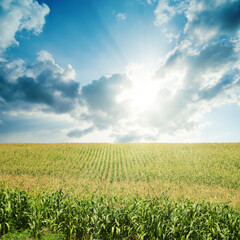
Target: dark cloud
point(101, 94)
point(215, 19)
point(47, 88)
point(101, 98)
point(224, 83)
point(76, 133)
point(213, 56)
point(129, 137)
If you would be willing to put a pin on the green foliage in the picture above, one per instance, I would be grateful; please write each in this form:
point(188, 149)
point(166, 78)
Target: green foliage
point(26, 235)
point(16, 235)
point(73, 217)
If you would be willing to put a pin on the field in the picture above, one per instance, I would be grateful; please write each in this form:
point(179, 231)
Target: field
point(148, 175)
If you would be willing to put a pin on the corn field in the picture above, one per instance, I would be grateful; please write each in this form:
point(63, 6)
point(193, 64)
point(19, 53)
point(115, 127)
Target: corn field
point(115, 218)
point(196, 171)
point(121, 191)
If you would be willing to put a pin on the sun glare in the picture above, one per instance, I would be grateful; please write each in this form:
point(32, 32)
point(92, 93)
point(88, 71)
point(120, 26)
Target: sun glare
point(143, 91)
point(143, 96)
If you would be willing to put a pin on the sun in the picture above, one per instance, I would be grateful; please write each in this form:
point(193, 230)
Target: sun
point(143, 95)
point(143, 91)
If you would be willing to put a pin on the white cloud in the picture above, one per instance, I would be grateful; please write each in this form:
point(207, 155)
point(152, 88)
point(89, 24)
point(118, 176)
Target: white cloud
point(204, 82)
point(44, 56)
point(150, 2)
point(165, 11)
point(19, 15)
point(14, 69)
point(141, 104)
point(121, 16)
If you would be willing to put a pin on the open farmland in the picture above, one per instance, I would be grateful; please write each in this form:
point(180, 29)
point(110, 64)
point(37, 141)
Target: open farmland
point(196, 171)
point(132, 178)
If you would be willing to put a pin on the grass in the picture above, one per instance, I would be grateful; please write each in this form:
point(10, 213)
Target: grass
point(26, 235)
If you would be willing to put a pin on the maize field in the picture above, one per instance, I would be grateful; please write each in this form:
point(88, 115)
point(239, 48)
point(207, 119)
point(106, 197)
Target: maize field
point(120, 191)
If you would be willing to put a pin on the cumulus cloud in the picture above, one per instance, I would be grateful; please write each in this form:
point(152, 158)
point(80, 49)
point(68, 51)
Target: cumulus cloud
point(77, 133)
point(207, 77)
point(210, 77)
point(209, 19)
point(205, 20)
point(100, 97)
point(42, 84)
point(29, 90)
point(202, 71)
point(18, 15)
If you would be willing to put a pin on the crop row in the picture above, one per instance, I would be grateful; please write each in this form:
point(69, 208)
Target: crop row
point(196, 171)
point(210, 164)
point(115, 218)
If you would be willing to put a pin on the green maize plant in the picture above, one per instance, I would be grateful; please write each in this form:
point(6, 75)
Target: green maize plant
point(104, 217)
point(14, 208)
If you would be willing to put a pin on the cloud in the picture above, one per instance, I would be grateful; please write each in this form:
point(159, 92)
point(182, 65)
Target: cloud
point(201, 72)
point(34, 126)
point(194, 63)
point(77, 133)
point(43, 85)
point(210, 78)
point(163, 13)
point(121, 16)
point(44, 56)
point(150, 2)
point(132, 136)
point(207, 77)
point(229, 80)
point(100, 97)
point(209, 19)
point(17, 16)
point(166, 10)
point(101, 94)
point(205, 20)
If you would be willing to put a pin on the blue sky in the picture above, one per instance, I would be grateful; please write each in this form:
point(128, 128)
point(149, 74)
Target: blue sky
point(88, 34)
point(119, 71)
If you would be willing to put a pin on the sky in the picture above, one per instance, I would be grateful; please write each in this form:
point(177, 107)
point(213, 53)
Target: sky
point(119, 71)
